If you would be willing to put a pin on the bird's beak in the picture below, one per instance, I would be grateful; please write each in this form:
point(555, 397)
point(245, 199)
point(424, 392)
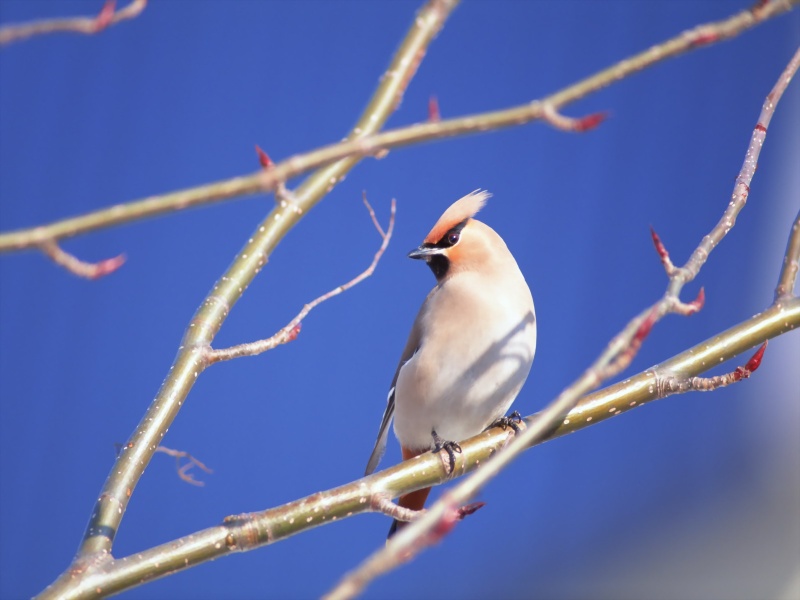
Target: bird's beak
point(424, 252)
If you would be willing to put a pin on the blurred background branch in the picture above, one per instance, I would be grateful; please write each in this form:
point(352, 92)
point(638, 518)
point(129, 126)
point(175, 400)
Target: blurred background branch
point(87, 25)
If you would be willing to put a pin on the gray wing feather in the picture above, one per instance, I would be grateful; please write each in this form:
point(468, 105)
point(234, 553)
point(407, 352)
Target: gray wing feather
point(412, 345)
point(383, 434)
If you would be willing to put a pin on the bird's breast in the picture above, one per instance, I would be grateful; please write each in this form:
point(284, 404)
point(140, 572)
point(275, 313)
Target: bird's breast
point(476, 351)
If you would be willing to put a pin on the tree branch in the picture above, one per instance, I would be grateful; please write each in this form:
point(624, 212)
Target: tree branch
point(241, 533)
point(290, 331)
point(363, 142)
point(438, 517)
point(78, 267)
point(791, 264)
point(85, 25)
point(95, 550)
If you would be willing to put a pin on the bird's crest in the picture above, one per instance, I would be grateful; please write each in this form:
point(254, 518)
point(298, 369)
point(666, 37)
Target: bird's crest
point(461, 209)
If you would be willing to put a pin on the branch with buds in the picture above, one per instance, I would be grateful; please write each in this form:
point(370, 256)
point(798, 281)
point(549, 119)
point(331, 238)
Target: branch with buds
point(617, 355)
point(368, 142)
point(192, 358)
point(86, 25)
point(291, 330)
point(95, 567)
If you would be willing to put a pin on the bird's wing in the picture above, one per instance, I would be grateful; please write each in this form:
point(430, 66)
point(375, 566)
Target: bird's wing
point(412, 345)
point(383, 434)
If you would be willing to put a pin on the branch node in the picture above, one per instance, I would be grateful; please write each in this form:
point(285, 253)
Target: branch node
point(580, 124)
point(752, 365)
point(690, 308)
point(290, 332)
point(702, 36)
point(105, 16)
point(434, 114)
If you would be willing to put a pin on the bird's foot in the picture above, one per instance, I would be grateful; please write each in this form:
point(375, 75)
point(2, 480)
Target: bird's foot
point(513, 420)
point(451, 448)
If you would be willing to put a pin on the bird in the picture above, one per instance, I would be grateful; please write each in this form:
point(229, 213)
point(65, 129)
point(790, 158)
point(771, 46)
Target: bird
point(470, 348)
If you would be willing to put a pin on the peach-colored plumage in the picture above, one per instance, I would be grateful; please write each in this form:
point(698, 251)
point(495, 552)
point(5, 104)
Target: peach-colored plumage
point(466, 207)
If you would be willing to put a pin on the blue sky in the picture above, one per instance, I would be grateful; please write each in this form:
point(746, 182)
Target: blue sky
point(693, 496)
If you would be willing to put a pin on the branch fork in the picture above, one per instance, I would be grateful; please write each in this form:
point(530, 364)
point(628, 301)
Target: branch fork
point(291, 330)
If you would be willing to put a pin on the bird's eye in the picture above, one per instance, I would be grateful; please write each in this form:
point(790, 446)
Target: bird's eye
point(452, 238)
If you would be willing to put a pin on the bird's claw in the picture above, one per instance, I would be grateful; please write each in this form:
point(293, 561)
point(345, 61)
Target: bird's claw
point(448, 446)
point(513, 420)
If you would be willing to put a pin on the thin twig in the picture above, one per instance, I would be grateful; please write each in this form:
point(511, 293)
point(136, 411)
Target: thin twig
point(674, 384)
point(741, 189)
point(791, 263)
point(416, 536)
point(183, 469)
point(372, 216)
point(381, 503)
point(85, 25)
point(555, 119)
point(365, 144)
point(78, 267)
point(289, 332)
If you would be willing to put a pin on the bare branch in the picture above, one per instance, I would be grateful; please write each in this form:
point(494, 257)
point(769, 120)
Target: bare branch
point(742, 188)
point(191, 360)
point(552, 117)
point(372, 216)
point(624, 358)
point(382, 503)
point(85, 25)
point(78, 267)
point(363, 143)
point(673, 384)
point(183, 469)
point(246, 532)
point(791, 264)
point(416, 536)
point(291, 330)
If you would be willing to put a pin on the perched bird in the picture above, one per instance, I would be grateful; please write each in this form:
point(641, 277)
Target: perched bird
point(471, 345)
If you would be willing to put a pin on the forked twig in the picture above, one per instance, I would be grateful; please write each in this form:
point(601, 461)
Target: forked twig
point(290, 331)
point(183, 469)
